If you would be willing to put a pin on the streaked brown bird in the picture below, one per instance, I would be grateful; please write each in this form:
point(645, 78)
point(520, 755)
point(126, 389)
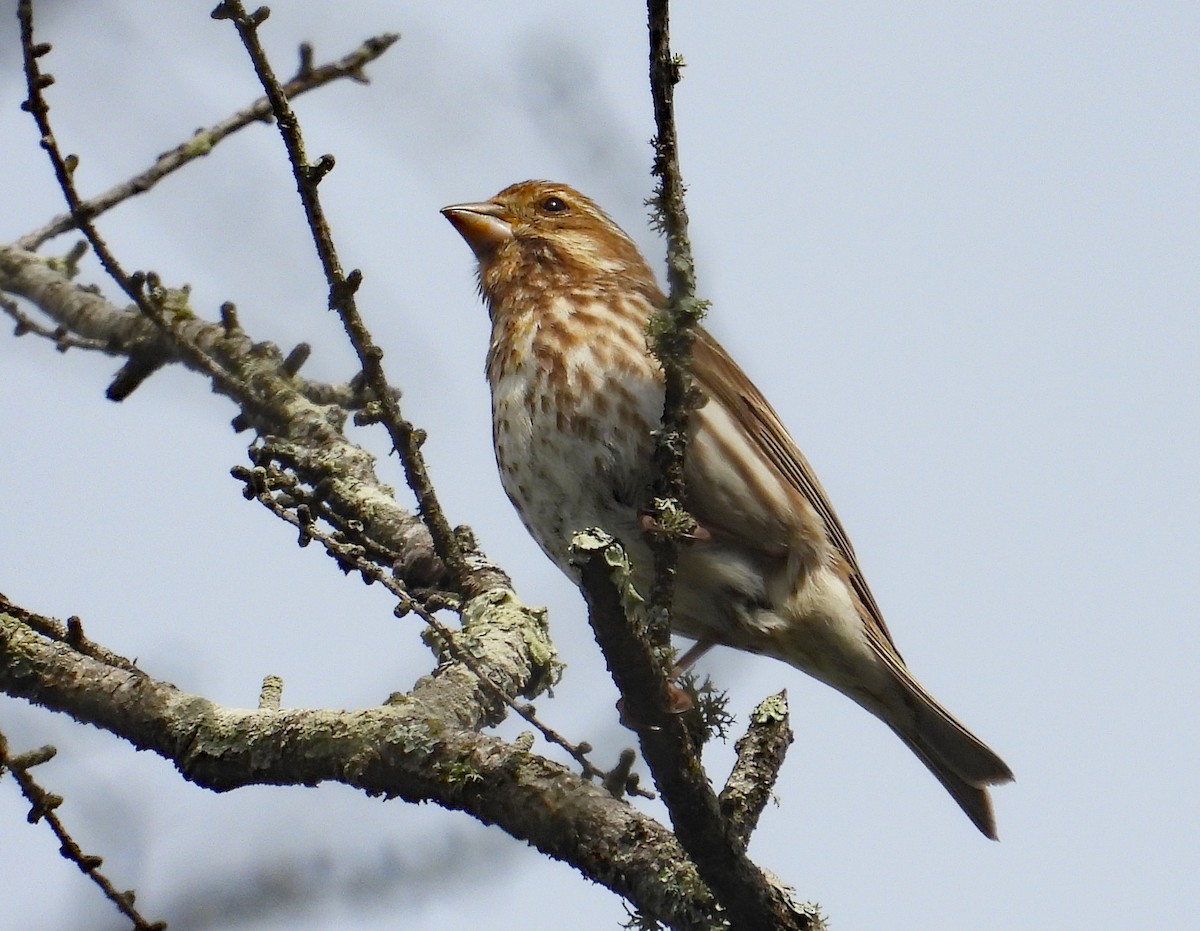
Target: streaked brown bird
point(575, 396)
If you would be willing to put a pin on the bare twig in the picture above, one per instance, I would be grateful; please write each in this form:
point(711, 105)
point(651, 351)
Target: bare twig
point(670, 332)
point(62, 338)
point(203, 140)
point(149, 300)
point(406, 439)
point(266, 483)
point(42, 807)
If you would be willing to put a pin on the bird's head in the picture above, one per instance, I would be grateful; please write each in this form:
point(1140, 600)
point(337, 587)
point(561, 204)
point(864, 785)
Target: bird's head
point(543, 234)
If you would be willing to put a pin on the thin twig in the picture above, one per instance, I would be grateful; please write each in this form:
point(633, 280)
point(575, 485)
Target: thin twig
point(64, 166)
point(265, 481)
point(203, 140)
point(62, 338)
point(287, 408)
point(670, 331)
point(42, 805)
point(406, 439)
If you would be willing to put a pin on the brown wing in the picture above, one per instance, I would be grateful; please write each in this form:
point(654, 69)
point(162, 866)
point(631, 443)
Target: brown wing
point(720, 378)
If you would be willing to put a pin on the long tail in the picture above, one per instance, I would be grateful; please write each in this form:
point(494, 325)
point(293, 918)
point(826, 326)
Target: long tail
point(962, 762)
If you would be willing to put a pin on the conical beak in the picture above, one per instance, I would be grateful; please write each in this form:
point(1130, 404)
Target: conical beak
point(483, 226)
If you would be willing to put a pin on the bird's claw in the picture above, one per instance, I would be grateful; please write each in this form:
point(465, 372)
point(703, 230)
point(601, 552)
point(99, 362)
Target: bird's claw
point(678, 702)
point(649, 523)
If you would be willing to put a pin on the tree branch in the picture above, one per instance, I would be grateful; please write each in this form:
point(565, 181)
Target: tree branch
point(670, 332)
point(151, 301)
point(42, 807)
point(286, 498)
point(204, 140)
point(748, 897)
point(419, 747)
point(760, 754)
point(277, 406)
point(406, 439)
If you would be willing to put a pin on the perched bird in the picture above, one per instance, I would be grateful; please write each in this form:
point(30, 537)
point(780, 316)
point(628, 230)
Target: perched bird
point(575, 396)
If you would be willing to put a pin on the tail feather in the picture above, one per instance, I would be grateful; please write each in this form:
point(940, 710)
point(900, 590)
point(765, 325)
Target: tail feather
point(962, 762)
point(972, 799)
point(948, 740)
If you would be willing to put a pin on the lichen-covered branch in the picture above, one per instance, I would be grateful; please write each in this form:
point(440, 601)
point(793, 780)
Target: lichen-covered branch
point(760, 754)
point(270, 399)
point(748, 897)
point(419, 747)
point(285, 497)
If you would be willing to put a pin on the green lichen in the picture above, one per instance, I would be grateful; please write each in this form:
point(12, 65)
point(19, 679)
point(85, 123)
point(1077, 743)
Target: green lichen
point(594, 540)
point(639, 922)
point(772, 709)
point(68, 265)
point(812, 911)
point(713, 707)
point(500, 611)
point(460, 774)
point(672, 519)
point(199, 144)
point(411, 738)
point(524, 741)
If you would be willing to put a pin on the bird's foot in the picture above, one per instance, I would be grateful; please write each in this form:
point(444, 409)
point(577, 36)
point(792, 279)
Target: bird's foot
point(693, 533)
point(678, 701)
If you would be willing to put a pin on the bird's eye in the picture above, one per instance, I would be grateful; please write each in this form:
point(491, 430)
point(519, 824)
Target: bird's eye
point(554, 205)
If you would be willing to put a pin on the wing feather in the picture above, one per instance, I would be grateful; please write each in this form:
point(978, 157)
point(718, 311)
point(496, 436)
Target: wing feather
point(723, 382)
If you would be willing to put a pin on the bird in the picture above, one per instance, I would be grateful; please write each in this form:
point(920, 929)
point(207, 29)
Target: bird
point(576, 395)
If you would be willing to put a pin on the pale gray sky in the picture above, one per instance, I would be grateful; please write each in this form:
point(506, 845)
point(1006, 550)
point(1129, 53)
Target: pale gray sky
point(957, 245)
